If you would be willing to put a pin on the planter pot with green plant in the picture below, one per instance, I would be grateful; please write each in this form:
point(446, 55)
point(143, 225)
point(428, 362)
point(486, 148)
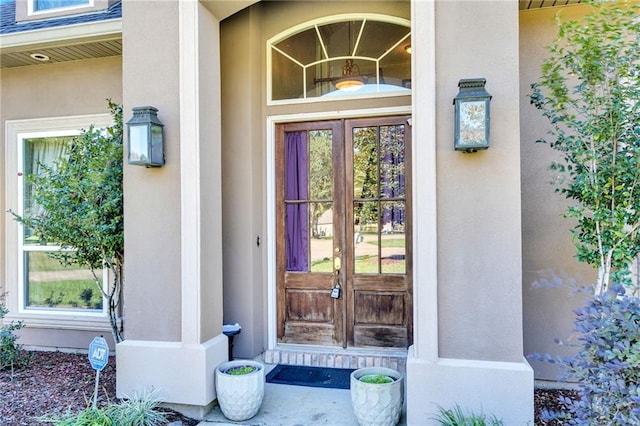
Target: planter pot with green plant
point(377, 396)
point(240, 388)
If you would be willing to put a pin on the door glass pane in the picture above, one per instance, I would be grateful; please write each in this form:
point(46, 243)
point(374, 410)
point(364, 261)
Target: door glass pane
point(296, 209)
point(320, 165)
point(366, 238)
point(393, 243)
point(365, 163)
point(321, 241)
point(50, 284)
point(392, 162)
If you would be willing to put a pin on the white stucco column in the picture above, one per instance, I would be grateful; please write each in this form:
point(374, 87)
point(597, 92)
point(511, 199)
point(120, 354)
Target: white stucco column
point(467, 275)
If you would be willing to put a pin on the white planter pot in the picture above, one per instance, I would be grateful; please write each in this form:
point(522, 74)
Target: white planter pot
point(377, 404)
point(240, 397)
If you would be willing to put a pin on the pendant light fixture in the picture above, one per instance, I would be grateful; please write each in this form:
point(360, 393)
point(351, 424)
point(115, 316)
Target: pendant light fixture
point(351, 78)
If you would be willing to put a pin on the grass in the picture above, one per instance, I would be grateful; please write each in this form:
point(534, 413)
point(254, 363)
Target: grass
point(65, 294)
point(390, 242)
point(42, 261)
point(55, 285)
point(365, 264)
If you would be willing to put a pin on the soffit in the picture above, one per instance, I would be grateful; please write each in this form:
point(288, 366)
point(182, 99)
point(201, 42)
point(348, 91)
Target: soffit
point(539, 4)
point(75, 52)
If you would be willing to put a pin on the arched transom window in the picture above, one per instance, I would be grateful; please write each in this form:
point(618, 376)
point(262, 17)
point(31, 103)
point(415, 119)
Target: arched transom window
point(342, 55)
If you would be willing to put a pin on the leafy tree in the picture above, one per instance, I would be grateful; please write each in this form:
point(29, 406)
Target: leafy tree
point(81, 208)
point(590, 92)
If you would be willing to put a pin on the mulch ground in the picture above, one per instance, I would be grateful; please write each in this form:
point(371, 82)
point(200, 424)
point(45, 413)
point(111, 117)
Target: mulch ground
point(55, 382)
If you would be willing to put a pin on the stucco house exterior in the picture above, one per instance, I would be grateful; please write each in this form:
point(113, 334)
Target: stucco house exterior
point(446, 283)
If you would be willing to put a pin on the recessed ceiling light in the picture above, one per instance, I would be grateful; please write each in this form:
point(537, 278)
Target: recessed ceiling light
point(40, 57)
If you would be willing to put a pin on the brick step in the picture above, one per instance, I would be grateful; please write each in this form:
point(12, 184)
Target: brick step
point(396, 360)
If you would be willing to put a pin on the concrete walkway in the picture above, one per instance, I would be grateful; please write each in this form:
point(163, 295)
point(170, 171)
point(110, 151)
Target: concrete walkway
point(285, 405)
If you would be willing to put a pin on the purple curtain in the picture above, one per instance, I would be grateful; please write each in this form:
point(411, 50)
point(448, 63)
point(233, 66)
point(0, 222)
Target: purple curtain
point(297, 215)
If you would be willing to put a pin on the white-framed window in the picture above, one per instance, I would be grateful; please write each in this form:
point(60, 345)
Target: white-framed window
point(30, 10)
point(36, 6)
point(350, 55)
point(37, 283)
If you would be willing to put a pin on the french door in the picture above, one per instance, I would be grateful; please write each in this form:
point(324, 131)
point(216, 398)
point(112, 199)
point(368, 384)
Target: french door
point(343, 232)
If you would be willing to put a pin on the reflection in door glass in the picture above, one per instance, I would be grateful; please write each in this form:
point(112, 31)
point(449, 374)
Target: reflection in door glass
point(392, 161)
point(366, 241)
point(392, 239)
point(320, 165)
point(365, 163)
point(321, 240)
point(379, 199)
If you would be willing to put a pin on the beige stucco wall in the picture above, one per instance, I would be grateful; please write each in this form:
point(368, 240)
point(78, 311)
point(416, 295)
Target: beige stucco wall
point(245, 290)
point(45, 91)
point(478, 195)
point(549, 266)
point(173, 278)
point(244, 37)
point(469, 351)
point(152, 276)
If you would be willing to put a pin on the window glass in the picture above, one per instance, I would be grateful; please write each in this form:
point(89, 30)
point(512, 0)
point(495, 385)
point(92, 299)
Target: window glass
point(312, 62)
point(48, 282)
point(52, 284)
point(40, 5)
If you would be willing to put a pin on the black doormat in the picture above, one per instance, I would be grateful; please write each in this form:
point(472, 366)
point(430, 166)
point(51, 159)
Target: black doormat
point(319, 377)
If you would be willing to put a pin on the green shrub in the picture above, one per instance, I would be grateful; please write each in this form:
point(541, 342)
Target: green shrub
point(377, 379)
point(607, 364)
point(141, 410)
point(239, 371)
point(456, 417)
point(90, 416)
point(11, 354)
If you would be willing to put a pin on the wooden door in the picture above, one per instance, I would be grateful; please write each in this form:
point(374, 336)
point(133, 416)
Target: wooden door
point(378, 189)
point(309, 228)
point(342, 209)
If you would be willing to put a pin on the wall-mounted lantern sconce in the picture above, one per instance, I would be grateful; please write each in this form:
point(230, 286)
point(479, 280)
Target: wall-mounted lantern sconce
point(145, 136)
point(472, 115)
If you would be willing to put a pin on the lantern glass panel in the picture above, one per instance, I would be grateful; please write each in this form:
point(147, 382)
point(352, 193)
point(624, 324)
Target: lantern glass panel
point(138, 144)
point(472, 123)
point(156, 145)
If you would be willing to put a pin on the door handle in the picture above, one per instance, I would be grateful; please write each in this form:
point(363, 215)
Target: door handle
point(337, 260)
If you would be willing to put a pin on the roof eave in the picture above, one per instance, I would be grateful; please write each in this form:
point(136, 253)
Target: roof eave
point(67, 34)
